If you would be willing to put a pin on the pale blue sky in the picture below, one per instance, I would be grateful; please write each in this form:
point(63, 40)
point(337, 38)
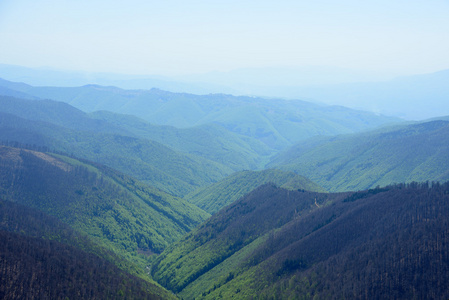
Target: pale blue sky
point(174, 37)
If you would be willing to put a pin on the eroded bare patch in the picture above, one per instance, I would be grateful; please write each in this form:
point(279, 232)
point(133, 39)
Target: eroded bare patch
point(52, 160)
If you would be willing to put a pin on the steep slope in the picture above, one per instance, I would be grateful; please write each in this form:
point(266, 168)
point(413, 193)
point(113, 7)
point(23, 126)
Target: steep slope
point(36, 249)
point(114, 209)
point(227, 232)
point(414, 152)
point(277, 123)
point(220, 194)
point(381, 243)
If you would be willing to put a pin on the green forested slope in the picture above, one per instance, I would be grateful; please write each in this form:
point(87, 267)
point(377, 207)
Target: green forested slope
point(382, 243)
point(114, 209)
point(210, 141)
point(37, 248)
point(57, 113)
point(227, 232)
point(414, 152)
point(230, 189)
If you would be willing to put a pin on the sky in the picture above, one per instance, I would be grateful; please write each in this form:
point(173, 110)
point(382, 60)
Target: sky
point(174, 37)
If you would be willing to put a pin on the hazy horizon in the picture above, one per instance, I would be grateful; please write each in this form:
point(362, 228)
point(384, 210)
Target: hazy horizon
point(173, 38)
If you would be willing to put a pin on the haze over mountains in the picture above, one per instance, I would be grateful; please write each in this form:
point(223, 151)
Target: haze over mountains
point(175, 194)
point(413, 97)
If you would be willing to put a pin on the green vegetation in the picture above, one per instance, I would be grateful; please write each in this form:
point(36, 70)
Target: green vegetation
point(230, 189)
point(37, 248)
point(275, 122)
point(114, 209)
point(94, 197)
point(380, 243)
point(229, 231)
point(414, 152)
point(151, 162)
point(236, 133)
point(209, 141)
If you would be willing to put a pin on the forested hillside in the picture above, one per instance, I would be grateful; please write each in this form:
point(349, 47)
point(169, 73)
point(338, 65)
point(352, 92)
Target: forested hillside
point(59, 127)
point(382, 243)
point(235, 186)
point(237, 228)
point(114, 209)
point(210, 141)
point(90, 195)
point(414, 152)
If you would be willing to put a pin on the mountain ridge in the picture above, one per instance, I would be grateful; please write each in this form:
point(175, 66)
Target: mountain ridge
point(276, 122)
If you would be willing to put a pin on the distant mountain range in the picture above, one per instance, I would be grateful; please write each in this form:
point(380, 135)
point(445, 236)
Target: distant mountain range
point(277, 123)
point(414, 97)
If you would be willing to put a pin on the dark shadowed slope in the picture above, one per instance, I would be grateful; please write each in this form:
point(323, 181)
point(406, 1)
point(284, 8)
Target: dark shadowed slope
point(42, 258)
point(376, 244)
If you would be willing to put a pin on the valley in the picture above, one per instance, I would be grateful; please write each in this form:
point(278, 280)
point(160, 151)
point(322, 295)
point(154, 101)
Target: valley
point(162, 195)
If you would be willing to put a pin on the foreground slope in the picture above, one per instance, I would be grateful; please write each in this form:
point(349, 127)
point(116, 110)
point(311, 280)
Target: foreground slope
point(43, 258)
point(218, 195)
point(414, 152)
point(229, 231)
point(382, 243)
point(114, 209)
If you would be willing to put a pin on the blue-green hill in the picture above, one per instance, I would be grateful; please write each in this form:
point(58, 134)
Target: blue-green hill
point(210, 141)
point(413, 152)
point(276, 122)
point(62, 128)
